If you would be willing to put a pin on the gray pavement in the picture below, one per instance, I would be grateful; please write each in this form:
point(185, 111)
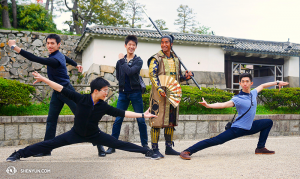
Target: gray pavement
point(234, 159)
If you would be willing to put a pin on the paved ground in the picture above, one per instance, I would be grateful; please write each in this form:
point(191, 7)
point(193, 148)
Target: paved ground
point(234, 159)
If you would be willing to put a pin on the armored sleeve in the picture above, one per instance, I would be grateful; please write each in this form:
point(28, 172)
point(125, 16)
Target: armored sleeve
point(153, 74)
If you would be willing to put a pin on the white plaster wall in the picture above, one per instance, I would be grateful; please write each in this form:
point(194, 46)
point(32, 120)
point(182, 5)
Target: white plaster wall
point(105, 52)
point(291, 67)
point(88, 56)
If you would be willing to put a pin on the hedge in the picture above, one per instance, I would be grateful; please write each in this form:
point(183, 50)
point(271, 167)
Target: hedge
point(286, 97)
point(192, 95)
point(15, 93)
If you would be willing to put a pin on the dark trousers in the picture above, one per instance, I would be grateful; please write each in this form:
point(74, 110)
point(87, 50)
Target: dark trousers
point(56, 104)
point(137, 104)
point(71, 137)
point(263, 126)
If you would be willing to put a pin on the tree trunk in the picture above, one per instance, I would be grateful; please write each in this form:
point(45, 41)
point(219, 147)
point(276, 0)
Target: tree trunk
point(51, 8)
point(14, 11)
point(75, 17)
point(47, 5)
point(5, 15)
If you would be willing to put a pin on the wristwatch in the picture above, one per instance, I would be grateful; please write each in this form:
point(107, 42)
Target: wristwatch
point(142, 115)
point(277, 82)
point(12, 47)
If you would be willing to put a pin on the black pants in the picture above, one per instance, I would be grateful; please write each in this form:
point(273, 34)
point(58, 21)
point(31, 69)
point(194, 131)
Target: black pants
point(71, 137)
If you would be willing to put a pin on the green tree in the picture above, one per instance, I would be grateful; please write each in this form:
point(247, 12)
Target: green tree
point(34, 17)
point(186, 18)
point(201, 29)
point(134, 14)
point(187, 23)
point(160, 23)
point(99, 12)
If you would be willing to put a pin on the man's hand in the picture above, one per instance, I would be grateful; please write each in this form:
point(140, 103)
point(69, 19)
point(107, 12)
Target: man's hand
point(204, 103)
point(282, 83)
point(121, 56)
point(147, 114)
point(162, 92)
point(38, 77)
point(11, 43)
point(188, 75)
point(80, 68)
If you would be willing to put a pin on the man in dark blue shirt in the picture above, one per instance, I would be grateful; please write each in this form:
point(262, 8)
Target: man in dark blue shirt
point(57, 72)
point(128, 74)
point(90, 109)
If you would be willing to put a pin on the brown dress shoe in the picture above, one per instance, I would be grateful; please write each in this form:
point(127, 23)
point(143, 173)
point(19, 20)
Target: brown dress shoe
point(185, 155)
point(263, 151)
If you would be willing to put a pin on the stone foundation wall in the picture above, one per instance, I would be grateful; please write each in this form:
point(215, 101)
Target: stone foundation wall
point(23, 130)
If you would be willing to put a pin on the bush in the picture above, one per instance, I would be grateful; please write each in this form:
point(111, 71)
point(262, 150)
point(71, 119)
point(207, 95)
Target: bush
point(192, 95)
point(14, 92)
point(286, 97)
point(34, 17)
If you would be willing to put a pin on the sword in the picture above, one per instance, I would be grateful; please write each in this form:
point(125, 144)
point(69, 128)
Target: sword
point(171, 48)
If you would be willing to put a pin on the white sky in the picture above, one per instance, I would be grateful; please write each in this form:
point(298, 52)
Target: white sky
point(271, 20)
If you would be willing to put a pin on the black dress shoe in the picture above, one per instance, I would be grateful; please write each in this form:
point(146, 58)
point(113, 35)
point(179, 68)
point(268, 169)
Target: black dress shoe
point(42, 154)
point(101, 151)
point(110, 150)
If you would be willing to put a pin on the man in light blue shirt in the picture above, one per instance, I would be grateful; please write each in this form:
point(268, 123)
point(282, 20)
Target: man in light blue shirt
point(245, 103)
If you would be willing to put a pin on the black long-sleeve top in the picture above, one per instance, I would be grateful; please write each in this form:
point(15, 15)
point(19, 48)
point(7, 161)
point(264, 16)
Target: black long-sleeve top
point(50, 61)
point(88, 115)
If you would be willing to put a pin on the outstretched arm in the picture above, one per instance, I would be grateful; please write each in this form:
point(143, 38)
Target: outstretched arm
point(147, 114)
point(227, 104)
point(266, 85)
point(52, 84)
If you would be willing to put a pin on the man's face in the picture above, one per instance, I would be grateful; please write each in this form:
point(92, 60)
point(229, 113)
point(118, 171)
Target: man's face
point(165, 45)
point(130, 47)
point(52, 46)
point(245, 83)
point(101, 94)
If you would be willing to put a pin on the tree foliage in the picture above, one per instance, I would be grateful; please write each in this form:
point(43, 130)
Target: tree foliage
point(187, 23)
point(186, 18)
point(100, 12)
point(160, 23)
point(35, 17)
point(134, 14)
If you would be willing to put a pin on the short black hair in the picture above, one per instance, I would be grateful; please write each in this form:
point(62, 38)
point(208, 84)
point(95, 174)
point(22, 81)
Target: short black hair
point(170, 37)
point(245, 75)
point(98, 84)
point(54, 36)
point(132, 38)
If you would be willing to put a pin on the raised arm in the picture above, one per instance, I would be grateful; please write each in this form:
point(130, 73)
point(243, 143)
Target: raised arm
point(44, 61)
point(227, 104)
point(52, 84)
point(266, 85)
point(147, 114)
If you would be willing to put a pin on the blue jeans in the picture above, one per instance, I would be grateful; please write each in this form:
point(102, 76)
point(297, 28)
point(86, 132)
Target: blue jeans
point(263, 126)
point(137, 104)
point(56, 104)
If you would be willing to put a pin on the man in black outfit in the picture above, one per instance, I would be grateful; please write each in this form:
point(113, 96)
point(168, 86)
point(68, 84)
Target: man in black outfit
point(57, 72)
point(89, 111)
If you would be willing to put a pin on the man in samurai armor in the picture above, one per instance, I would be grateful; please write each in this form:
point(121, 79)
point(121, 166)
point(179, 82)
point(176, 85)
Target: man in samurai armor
point(165, 62)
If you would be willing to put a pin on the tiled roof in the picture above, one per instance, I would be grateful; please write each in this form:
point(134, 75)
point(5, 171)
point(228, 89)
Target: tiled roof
point(227, 43)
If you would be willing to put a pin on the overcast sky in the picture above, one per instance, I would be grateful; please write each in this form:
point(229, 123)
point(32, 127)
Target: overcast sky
point(271, 20)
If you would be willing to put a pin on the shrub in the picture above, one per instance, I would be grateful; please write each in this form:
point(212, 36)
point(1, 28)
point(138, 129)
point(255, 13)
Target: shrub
point(192, 95)
point(286, 97)
point(34, 17)
point(14, 92)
